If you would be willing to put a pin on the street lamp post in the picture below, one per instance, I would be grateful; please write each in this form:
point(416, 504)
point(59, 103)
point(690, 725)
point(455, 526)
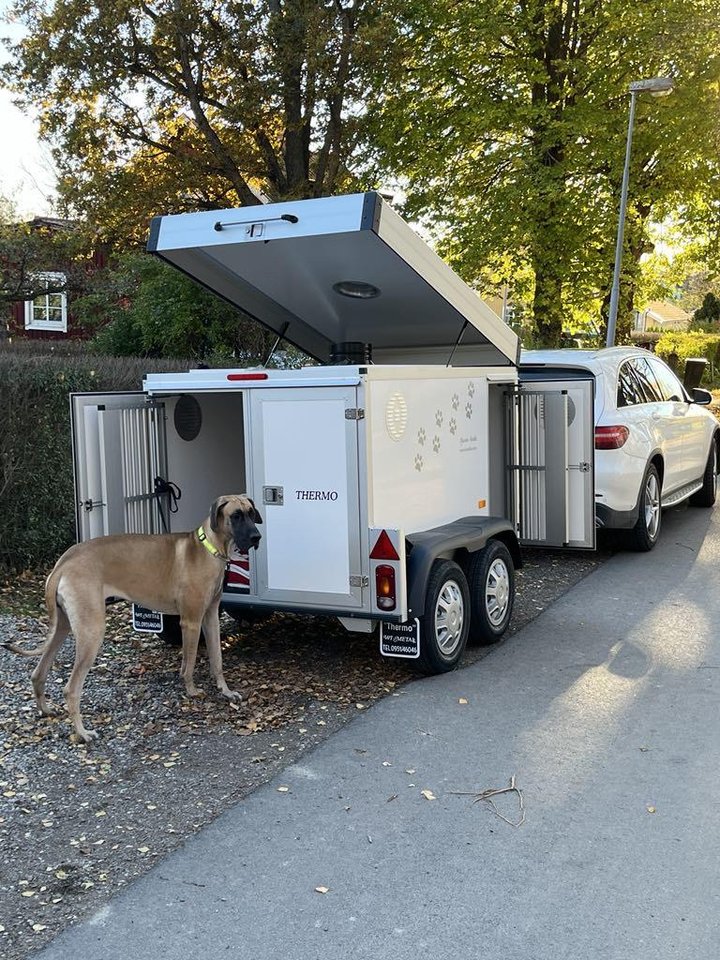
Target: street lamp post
point(658, 87)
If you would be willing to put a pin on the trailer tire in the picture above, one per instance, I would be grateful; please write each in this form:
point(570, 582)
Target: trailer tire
point(446, 620)
point(491, 578)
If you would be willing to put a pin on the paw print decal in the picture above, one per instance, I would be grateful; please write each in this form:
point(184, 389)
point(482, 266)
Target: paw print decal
point(436, 443)
point(418, 462)
point(422, 436)
point(439, 418)
point(471, 389)
point(453, 426)
point(468, 410)
point(455, 401)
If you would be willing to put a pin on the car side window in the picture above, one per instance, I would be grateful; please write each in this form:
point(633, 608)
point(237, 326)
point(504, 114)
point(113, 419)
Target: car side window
point(648, 385)
point(635, 384)
point(628, 393)
point(670, 386)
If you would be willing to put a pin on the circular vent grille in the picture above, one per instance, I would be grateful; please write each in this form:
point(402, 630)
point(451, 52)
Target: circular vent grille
point(396, 416)
point(187, 418)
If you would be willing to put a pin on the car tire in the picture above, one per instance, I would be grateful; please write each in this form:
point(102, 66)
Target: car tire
point(445, 623)
point(646, 531)
point(491, 578)
point(706, 495)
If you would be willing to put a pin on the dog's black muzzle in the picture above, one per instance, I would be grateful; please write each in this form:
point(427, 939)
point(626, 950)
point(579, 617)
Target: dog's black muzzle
point(245, 533)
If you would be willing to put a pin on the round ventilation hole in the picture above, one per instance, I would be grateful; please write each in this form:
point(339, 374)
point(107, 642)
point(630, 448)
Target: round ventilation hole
point(187, 418)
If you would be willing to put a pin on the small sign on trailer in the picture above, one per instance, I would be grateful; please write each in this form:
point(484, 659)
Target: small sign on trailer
point(400, 639)
point(146, 621)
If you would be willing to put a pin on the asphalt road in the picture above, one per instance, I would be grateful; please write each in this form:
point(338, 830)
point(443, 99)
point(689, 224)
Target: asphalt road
point(604, 709)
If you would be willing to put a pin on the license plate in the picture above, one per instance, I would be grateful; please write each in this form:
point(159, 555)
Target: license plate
point(400, 639)
point(146, 621)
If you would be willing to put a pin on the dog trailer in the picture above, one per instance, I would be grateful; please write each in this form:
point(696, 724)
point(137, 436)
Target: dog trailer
point(396, 473)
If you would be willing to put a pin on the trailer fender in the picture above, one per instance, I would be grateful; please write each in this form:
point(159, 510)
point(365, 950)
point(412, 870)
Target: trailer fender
point(452, 541)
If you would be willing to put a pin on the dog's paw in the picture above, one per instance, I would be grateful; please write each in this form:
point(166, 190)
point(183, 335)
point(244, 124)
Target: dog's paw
point(50, 709)
point(194, 691)
point(234, 696)
point(87, 736)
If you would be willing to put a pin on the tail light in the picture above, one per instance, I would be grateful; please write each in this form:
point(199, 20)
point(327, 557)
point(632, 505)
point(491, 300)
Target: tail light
point(385, 587)
point(610, 438)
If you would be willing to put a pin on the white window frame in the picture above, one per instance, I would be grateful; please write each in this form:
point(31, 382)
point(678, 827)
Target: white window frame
point(32, 322)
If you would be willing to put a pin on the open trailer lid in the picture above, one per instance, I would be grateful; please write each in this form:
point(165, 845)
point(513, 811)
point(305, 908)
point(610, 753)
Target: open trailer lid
point(337, 270)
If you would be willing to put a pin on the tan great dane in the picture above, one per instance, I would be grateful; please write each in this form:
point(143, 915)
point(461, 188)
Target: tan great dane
point(175, 573)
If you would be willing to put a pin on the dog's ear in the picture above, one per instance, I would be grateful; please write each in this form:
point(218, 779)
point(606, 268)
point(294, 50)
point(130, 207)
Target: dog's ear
point(254, 515)
point(215, 511)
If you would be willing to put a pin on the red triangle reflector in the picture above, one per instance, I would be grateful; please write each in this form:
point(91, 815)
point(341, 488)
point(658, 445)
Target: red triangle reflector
point(384, 549)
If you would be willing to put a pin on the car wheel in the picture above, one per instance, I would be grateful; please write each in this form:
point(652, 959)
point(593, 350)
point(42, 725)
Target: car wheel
point(491, 578)
point(705, 497)
point(445, 623)
point(646, 531)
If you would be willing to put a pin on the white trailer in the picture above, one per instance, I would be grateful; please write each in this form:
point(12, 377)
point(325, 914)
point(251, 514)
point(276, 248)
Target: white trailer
point(394, 485)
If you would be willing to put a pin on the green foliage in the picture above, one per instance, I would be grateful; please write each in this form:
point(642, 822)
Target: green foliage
point(508, 123)
point(141, 307)
point(169, 105)
point(676, 348)
point(707, 317)
point(37, 515)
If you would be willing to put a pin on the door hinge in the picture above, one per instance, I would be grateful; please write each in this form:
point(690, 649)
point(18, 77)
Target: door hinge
point(358, 581)
point(583, 467)
point(354, 413)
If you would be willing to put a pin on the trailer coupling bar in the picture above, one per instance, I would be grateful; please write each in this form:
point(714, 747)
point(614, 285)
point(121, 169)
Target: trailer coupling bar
point(287, 217)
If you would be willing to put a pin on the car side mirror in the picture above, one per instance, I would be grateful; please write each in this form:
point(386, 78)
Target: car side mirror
point(701, 396)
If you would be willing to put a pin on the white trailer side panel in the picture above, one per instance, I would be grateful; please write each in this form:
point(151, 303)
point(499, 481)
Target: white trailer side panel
point(428, 448)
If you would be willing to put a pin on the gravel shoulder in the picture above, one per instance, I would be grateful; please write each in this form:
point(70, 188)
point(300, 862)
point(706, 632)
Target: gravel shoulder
point(78, 823)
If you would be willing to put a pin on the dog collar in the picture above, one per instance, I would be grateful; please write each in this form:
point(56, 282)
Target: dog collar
point(202, 537)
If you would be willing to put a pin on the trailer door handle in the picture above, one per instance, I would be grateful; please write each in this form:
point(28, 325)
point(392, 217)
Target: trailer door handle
point(273, 496)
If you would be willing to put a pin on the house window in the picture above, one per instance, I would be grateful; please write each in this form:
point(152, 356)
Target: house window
point(48, 311)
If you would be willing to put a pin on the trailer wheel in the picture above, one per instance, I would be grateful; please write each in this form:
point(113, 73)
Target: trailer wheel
point(491, 575)
point(445, 623)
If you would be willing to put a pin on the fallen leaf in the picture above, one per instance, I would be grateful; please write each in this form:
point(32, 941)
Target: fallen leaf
point(322, 889)
point(462, 700)
point(651, 809)
point(283, 789)
point(428, 794)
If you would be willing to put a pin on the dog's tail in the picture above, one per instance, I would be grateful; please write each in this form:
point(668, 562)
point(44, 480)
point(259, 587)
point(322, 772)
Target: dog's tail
point(14, 648)
point(51, 602)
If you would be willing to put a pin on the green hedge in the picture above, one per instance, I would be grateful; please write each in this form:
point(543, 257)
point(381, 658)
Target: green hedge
point(37, 511)
point(676, 348)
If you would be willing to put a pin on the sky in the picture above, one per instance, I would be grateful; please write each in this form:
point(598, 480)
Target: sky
point(26, 167)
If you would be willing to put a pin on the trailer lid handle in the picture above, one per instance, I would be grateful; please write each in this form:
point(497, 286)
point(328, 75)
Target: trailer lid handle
point(287, 217)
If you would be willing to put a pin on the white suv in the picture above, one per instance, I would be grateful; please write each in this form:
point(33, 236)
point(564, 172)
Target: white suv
point(655, 445)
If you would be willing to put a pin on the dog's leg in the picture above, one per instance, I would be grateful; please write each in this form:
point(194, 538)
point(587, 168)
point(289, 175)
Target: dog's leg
point(89, 632)
point(190, 639)
point(57, 634)
point(211, 627)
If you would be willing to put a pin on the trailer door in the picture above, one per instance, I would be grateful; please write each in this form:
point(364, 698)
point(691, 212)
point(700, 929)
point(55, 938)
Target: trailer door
point(552, 487)
point(118, 452)
point(304, 468)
